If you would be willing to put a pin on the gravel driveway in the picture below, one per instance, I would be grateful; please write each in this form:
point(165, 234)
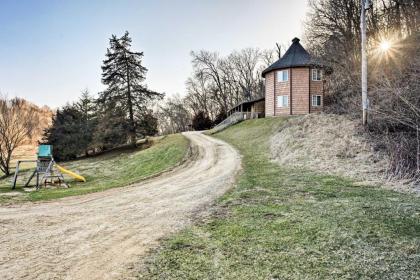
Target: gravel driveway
point(104, 235)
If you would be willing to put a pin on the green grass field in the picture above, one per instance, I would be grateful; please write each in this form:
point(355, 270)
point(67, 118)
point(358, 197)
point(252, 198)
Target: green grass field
point(116, 169)
point(282, 223)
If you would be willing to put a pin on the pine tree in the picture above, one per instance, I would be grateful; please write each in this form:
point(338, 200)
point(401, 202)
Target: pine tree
point(71, 132)
point(111, 127)
point(64, 134)
point(87, 108)
point(147, 124)
point(123, 74)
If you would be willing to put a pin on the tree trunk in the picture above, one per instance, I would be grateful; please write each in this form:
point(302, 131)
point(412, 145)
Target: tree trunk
point(5, 170)
point(5, 166)
point(418, 148)
point(132, 125)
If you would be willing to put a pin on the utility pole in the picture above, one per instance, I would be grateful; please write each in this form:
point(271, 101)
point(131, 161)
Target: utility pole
point(365, 102)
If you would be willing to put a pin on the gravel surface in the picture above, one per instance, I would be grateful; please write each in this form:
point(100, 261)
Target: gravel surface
point(105, 235)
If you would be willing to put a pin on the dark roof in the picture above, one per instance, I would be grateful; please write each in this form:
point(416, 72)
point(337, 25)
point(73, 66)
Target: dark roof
point(295, 56)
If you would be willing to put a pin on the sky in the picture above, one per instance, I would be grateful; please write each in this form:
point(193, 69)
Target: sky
point(51, 50)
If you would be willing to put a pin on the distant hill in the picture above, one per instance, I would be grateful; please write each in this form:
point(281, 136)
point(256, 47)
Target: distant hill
point(29, 148)
point(44, 114)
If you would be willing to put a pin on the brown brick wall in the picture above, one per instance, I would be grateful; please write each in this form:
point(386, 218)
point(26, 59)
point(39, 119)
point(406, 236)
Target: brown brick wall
point(317, 88)
point(302, 88)
point(300, 91)
point(269, 94)
point(282, 88)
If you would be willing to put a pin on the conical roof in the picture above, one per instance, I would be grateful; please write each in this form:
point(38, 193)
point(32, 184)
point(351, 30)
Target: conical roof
point(295, 56)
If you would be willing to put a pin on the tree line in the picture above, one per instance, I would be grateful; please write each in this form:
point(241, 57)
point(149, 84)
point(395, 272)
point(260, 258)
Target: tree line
point(217, 84)
point(119, 116)
point(332, 31)
point(332, 36)
point(123, 112)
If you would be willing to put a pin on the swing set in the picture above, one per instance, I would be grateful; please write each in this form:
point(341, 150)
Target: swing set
point(47, 171)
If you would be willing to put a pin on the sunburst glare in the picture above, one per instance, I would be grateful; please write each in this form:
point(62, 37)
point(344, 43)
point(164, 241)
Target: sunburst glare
point(385, 45)
point(385, 48)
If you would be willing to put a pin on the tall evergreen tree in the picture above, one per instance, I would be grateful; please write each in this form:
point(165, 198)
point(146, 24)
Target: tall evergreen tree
point(124, 75)
point(111, 127)
point(87, 109)
point(147, 124)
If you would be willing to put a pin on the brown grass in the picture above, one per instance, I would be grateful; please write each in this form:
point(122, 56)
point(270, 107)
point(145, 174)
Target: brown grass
point(331, 144)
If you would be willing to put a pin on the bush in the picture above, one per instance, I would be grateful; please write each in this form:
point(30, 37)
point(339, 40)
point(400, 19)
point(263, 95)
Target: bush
point(201, 121)
point(395, 111)
point(219, 118)
point(65, 134)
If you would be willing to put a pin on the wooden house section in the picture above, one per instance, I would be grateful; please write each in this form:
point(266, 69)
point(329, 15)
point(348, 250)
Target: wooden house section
point(253, 109)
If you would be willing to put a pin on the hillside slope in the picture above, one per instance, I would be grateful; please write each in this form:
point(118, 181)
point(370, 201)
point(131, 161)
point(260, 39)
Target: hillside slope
point(332, 144)
point(114, 169)
point(291, 223)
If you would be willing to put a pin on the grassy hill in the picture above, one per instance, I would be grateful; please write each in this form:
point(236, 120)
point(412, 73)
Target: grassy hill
point(283, 222)
point(115, 169)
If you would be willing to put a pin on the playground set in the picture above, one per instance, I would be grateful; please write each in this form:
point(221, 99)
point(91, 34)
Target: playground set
point(47, 171)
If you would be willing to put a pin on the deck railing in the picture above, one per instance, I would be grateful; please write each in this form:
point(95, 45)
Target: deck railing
point(235, 118)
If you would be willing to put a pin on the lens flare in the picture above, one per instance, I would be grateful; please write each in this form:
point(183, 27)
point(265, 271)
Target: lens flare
point(385, 46)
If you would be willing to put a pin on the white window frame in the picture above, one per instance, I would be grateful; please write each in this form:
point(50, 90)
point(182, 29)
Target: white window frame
point(281, 73)
point(315, 99)
point(316, 74)
point(282, 101)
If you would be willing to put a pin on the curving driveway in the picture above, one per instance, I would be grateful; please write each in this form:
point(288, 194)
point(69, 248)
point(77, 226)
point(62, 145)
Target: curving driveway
point(104, 235)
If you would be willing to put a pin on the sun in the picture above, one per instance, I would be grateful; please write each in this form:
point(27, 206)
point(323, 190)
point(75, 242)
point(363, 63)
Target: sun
point(385, 45)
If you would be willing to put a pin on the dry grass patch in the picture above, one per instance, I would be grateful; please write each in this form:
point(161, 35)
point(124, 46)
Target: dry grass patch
point(332, 144)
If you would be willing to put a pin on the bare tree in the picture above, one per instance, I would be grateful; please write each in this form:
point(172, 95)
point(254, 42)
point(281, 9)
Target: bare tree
point(268, 57)
point(208, 64)
point(218, 83)
point(332, 32)
point(396, 110)
point(278, 50)
point(173, 116)
point(199, 97)
point(247, 72)
point(17, 123)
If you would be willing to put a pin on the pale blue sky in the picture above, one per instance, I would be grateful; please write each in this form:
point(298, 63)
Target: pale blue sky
point(51, 50)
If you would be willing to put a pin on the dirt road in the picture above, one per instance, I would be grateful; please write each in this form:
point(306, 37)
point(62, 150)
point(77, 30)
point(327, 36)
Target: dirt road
point(103, 235)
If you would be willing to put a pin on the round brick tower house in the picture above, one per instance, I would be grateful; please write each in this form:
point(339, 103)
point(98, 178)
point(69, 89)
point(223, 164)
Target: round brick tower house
point(294, 84)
